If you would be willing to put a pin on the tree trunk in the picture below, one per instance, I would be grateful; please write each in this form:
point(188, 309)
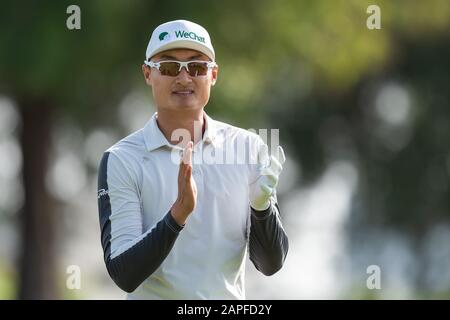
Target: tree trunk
point(37, 260)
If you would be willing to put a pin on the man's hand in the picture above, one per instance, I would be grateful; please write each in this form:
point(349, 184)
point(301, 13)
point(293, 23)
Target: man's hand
point(269, 170)
point(187, 189)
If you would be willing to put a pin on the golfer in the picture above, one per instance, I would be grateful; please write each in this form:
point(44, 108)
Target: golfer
point(183, 200)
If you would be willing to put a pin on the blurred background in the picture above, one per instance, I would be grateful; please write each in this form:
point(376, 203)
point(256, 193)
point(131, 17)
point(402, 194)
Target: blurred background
point(364, 118)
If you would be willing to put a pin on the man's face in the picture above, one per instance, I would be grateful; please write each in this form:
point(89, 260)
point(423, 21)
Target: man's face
point(182, 92)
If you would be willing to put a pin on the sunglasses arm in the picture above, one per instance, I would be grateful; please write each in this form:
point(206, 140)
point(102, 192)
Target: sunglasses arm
point(152, 64)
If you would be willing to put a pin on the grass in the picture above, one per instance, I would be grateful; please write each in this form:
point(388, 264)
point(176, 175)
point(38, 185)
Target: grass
point(7, 282)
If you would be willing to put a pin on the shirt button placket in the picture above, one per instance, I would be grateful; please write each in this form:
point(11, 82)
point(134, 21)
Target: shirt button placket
point(198, 177)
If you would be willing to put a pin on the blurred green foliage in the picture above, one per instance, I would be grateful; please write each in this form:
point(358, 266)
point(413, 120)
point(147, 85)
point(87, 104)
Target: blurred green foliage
point(7, 282)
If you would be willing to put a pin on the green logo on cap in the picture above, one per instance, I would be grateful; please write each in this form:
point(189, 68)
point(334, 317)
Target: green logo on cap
point(191, 35)
point(162, 35)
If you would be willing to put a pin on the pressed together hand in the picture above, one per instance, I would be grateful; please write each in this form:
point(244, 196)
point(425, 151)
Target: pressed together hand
point(261, 190)
point(187, 189)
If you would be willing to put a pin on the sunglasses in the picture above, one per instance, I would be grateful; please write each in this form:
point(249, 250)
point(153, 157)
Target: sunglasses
point(173, 68)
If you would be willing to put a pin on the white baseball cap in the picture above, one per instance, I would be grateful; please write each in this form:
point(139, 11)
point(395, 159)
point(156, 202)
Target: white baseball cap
point(180, 34)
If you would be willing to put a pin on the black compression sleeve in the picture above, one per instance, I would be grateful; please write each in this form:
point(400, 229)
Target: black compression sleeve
point(268, 241)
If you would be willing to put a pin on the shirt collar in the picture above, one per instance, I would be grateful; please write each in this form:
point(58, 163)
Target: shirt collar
point(155, 139)
point(210, 131)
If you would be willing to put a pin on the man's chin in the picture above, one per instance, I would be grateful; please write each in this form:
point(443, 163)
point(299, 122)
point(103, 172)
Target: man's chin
point(187, 106)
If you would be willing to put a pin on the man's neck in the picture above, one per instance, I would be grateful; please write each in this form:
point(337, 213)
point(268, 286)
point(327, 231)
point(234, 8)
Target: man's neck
point(169, 121)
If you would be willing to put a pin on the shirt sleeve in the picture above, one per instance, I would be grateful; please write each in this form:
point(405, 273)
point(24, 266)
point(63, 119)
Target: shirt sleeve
point(269, 243)
point(131, 254)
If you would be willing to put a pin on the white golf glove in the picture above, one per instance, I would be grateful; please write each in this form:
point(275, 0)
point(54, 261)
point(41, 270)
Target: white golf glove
point(269, 170)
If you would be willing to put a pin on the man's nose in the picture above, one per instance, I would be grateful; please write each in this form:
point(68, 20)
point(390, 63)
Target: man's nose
point(183, 77)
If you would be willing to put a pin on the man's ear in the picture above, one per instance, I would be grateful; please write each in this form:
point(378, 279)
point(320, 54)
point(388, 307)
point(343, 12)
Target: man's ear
point(214, 73)
point(147, 74)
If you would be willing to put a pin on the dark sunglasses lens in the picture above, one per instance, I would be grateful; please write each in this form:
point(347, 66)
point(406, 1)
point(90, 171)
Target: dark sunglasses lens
point(169, 68)
point(197, 69)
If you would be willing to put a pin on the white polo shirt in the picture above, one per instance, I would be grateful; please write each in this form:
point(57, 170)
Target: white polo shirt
point(208, 258)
